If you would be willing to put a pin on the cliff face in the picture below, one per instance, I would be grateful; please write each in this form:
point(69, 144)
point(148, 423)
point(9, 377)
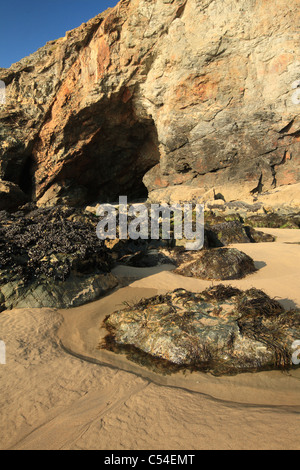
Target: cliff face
point(162, 93)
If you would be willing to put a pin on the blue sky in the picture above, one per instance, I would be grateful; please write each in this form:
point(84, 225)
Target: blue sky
point(26, 25)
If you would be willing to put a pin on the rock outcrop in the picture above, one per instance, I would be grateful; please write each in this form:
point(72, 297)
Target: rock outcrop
point(222, 330)
point(150, 96)
point(51, 258)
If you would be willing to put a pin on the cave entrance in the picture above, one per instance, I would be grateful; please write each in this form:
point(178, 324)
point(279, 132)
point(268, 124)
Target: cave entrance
point(114, 160)
point(126, 154)
point(27, 180)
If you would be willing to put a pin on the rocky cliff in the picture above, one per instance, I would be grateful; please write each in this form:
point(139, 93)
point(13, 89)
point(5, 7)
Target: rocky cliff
point(151, 95)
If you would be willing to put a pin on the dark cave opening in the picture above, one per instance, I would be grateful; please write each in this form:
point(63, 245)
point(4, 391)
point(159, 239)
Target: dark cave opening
point(27, 180)
point(114, 161)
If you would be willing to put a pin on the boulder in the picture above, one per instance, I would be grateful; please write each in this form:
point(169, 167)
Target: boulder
point(256, 236)
point(227, 233)
point(222, 330)
point(226, 229)
point(217, 263)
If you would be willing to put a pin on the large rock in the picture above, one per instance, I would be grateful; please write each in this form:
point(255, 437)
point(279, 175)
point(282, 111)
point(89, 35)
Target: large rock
point(51, 258)
point(226, 233)
point(221, 330)
point(164, 94)
point(45, 292)
point(217, 263)
point(226, 230)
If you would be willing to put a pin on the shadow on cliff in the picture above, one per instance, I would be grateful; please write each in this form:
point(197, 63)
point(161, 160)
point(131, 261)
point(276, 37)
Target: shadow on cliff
point(108, 151)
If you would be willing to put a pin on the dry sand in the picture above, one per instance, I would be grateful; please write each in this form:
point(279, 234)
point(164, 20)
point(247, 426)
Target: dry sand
point(50, 398)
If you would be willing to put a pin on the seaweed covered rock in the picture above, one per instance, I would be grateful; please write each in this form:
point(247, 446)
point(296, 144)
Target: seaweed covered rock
point(217, 263)
point(274, 220)
point(212, 217)
point(256, 236)
point(221, 330)
point(233, 231)
point(51, 258)
point(227, 233)
point(225, 229)
point(218, 232)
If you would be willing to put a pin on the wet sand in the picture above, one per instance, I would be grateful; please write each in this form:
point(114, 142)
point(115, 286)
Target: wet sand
point(58, 391)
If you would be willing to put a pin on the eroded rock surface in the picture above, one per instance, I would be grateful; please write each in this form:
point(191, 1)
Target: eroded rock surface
point(221, 330)
point(158, 94)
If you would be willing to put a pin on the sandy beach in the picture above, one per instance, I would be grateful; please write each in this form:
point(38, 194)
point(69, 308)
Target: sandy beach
point(59, 391)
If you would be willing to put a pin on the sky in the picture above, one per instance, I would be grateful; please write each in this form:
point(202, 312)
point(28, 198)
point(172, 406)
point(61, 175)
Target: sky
point(26, 25)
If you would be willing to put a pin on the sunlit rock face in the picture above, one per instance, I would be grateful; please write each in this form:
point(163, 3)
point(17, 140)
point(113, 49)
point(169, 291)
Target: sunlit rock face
point(149, 96)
